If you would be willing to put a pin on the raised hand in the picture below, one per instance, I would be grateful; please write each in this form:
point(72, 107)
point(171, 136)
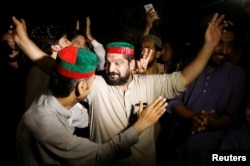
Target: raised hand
point(21, 37)
point(142, 63)
point(19, 30)
point(88, 31)
point(215, 29)
point(151, 16)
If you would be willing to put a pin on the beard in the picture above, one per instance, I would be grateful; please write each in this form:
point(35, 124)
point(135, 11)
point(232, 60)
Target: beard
point(214, 62)
point(116, 81)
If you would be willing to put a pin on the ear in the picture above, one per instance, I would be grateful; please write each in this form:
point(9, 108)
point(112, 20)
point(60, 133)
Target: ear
point(158, 54)
point(55, 47)
point(132, 65)
point(81, 88)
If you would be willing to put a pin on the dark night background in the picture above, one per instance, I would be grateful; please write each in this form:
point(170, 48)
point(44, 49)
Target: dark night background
point(114, 19)
point(111, 20)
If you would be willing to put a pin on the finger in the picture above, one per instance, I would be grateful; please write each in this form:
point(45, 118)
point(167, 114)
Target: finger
point(14, 20)
point(140, 107)
point(160, 105)
point(23, 23)
point(197, 121)
point(144, 53)
point(155, 102)
point(208, 112)
point(10, 30)
point(202, 120)
point(150, 52)
point(77, 24)
point(219, 19)
point(138, 64)
point(160, 112)
point(163, 109)
point(157, 112)
point(214, 18)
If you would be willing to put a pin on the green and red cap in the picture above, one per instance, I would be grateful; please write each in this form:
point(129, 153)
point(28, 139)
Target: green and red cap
point(120, 48)
point(76, 63)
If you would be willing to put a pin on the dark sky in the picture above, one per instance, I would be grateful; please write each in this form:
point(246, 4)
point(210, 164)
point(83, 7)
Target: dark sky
point(179, 18)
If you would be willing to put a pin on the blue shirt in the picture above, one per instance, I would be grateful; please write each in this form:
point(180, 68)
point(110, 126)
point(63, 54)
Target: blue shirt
point(221, 91)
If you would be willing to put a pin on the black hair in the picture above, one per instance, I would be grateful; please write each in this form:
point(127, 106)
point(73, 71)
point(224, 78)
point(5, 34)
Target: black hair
point(74, 33)
point(62, 86)
point(46, 35)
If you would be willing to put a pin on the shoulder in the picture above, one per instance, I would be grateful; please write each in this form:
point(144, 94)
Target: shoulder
point(235, 70)
point(99, 78)
point(233, 67)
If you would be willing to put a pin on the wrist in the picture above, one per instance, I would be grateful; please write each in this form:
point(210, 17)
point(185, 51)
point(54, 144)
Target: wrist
point(149, 26)
point(139, 127)
point(91, 39)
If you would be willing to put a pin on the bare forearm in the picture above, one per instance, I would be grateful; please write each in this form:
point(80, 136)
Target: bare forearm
point(40, 58)
point(212, 38)
point(146, 30)
point(194, 68)
point(36, 55)
point(183, 112)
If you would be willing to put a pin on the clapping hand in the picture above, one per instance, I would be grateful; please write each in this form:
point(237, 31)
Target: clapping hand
point(200, 121)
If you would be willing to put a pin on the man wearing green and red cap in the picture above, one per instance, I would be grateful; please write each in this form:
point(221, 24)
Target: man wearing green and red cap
point(45, 132)
point(113, 100)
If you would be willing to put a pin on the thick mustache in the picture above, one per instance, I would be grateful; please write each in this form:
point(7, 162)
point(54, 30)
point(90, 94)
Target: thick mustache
point(220, 54)
point(113, 73)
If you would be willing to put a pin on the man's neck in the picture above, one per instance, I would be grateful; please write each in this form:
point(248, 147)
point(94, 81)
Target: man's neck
point(124, 87)
point(152, 69)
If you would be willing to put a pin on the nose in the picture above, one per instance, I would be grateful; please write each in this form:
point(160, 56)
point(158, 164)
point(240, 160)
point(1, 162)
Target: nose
point(225, 49)
point(110, 67)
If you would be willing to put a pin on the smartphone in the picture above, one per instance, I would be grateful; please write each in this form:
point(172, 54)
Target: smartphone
point(148, 7)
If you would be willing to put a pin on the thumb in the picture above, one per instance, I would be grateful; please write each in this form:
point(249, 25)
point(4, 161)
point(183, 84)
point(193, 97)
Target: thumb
point(140, 108)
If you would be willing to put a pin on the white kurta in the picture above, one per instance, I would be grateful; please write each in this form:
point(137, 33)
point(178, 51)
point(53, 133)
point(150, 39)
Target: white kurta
point(111, 111)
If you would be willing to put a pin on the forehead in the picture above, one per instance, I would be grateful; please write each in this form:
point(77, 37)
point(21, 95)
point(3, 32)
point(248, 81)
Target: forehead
point(228, 36)
point(147, 43)
point(79, 37)
point(7, 36)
